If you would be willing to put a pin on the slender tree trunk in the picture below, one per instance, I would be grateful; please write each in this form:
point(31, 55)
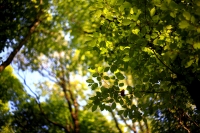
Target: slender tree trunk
point(75, 103)
point(65, 85)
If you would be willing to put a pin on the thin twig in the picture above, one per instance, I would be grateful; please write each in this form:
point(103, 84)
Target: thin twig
point(192, 120)
point(116, 122)
point(129, 126)
point(39, 105)
point(181, 123)
point(163, 62)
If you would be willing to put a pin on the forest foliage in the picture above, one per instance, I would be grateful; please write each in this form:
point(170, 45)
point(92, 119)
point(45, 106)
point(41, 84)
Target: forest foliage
point(140, 58)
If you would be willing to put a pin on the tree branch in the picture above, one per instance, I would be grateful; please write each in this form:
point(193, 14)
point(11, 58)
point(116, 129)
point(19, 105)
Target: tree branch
point(75, 103)
point(163, 62)
point(180, 122)
point(41, 110)
point(129, 126)
point(17, 49)
point(74, 115)
point(116, 122)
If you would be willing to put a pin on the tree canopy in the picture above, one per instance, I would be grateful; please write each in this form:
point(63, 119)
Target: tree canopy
point(140, 58)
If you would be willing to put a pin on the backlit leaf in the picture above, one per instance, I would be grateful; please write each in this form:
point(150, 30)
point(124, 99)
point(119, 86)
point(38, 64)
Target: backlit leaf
point(184, 24)
point(126, 22)
point(153, 11)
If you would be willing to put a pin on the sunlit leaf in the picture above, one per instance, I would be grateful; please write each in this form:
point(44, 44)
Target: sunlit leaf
point(152, 11)
point(126, 22)
point(196, 45)
point(186, 15)
point(183, 24)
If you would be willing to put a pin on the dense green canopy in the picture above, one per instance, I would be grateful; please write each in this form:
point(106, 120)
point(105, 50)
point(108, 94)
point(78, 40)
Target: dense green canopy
point(140, 57)
point(20, 112)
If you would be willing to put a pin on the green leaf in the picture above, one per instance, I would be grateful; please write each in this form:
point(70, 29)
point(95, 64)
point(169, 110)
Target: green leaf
point(198, 29)
point(130, 114)
point(164, 6)
point(111, 100)
point(116, 82)
point(94, 86)
point(100, 69)
point(126, 22)
point(126, 58)
point(98, 13)
point(112, 2)
point(103, 89)
point(102, 44)
point(121, 84)
point(120, 112)
point(106, 77)
point(89, 84)
point(133, 107)
point(186, 15)
point(125, 113)
point(102, 107)
point(112, 77)
point(127, 4)
point(189, 63)
point(95, 75)
point(196, 45)
point(105, 95)
point(113, 68)
point(155, 18)
point(96, 101)
point(99, 78)
point(121, 102)
point(113, 106)
point(173, 14)
point(105, 11)
point(183, 24)
point(131, 11)
point(120, 76)
point(94, 107)
point(108, 108)
point(130, 89)
point(153, 11)
point(89, 81)
point(193, 19)
point(106, 69)
point(135, 31)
